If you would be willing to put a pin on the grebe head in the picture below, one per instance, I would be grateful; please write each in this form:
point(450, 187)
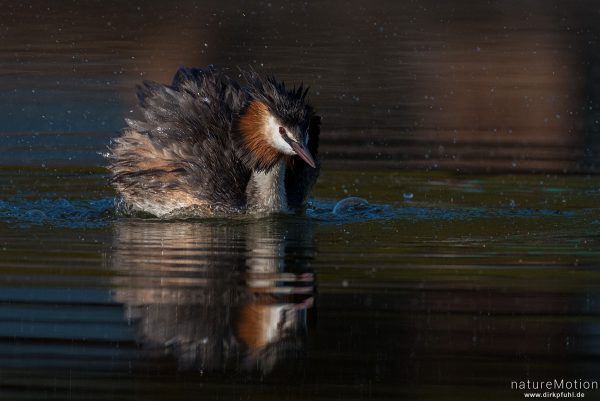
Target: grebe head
point(275, 124)
point(289, 139)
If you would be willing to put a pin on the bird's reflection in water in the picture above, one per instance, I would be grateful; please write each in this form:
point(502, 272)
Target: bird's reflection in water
point(217, 295)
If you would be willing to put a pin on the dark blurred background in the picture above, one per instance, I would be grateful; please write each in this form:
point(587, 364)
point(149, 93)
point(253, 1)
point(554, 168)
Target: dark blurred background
point(467, 86)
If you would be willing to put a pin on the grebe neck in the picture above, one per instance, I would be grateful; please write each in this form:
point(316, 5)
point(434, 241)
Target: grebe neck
point(266, 190)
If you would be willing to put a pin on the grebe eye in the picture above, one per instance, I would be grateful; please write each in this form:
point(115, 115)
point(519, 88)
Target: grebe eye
point(284, 133)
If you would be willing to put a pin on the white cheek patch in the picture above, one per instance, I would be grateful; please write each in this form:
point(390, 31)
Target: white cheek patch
point(275, 139)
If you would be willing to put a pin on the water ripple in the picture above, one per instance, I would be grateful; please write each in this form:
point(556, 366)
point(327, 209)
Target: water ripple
point(93, 213)
point(359, 211)
point(59, 212)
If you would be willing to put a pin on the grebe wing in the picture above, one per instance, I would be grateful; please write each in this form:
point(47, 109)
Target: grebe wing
point(199, 104)
point(181, 142)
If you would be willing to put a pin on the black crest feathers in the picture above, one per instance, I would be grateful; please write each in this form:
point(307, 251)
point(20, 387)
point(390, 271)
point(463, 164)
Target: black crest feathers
point(288, 105)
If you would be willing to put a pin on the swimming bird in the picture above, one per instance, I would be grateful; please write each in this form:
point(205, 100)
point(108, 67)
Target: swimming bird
point(209, 145)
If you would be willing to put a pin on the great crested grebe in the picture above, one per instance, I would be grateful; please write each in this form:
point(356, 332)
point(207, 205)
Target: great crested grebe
point(209, 145)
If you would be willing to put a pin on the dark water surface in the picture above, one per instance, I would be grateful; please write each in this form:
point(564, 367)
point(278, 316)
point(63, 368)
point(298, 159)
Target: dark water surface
point(470, 128)
point(474, 282)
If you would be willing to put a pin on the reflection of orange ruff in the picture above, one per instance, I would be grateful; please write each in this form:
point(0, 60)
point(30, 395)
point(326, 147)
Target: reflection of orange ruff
point(262, 324)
